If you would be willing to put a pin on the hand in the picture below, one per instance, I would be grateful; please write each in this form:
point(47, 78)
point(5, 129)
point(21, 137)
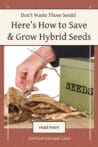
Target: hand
point(30, 71)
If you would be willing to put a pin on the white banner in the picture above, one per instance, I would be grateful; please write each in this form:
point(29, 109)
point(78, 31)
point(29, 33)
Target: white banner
point(49, 27)
point(49, 127)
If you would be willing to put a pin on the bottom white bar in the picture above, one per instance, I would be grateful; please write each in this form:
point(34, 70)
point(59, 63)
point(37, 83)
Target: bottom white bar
point(49, 127)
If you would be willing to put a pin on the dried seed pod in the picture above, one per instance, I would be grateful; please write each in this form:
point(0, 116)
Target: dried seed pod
point(20, 117)
point(35, 107)
point(62, 116)
point(47, 99)
point(45, 111)
point(13, 108)
point(14, 95)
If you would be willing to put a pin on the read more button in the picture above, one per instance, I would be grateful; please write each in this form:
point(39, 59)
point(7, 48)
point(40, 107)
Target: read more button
point(49, 127)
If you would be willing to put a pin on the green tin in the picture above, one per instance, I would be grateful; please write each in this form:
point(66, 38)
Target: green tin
point(77, 83)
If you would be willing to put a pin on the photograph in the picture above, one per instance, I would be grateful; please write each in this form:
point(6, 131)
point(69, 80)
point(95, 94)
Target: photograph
point(48, 83)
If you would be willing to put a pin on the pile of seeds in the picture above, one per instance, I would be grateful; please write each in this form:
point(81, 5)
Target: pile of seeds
point(37, 107)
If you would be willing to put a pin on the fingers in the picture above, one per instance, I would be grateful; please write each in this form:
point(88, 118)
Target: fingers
point(38, 79)
point(20, 80)
point(42, 77)
point(26, 80)
point(29, 72)
point(29, 80)
point(34, 88)
point(39, 76)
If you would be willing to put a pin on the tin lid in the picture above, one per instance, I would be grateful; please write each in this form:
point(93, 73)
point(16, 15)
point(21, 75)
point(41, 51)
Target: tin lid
point(80, 63)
